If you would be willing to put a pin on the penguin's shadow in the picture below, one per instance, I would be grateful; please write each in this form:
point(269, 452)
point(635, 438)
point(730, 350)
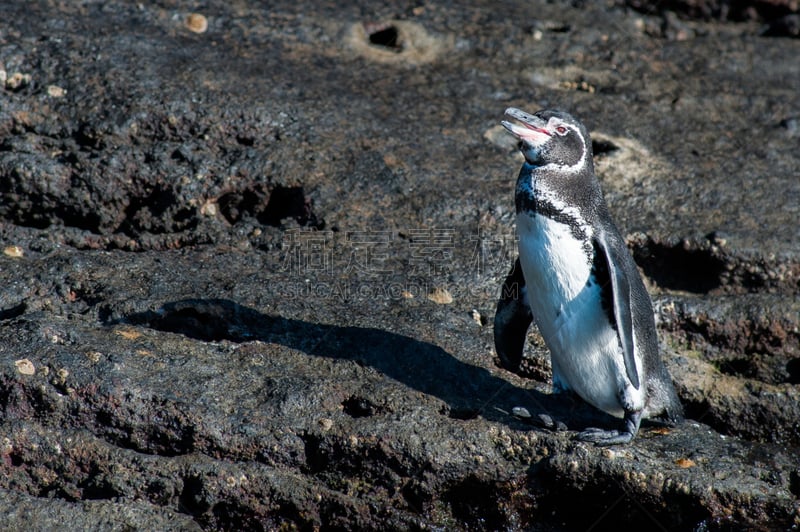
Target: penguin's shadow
point(469, 391)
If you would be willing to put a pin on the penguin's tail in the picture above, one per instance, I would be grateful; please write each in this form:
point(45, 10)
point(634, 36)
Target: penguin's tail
point(664, 403)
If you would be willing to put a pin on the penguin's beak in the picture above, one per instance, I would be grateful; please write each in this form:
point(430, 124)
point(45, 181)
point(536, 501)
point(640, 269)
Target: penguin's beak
point(533, 129)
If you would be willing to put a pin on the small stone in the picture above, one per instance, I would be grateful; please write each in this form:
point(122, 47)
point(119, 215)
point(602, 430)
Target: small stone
point(209, 209)
point(197, 23)
point(94, 356)
point(674, 29)
point(546, 421)
point(521, 412)
point(441, 296)
point(128, 334)
point(17, 81)
point(685, 463)
point(54, 91)
point(326, 424)
point(406, 294)
point(792, 126)
point(62, 375)
point(25, 366)
point(477, 318)
point(13, 251)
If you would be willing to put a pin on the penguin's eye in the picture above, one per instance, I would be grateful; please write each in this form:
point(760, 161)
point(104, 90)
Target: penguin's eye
point(561, 130)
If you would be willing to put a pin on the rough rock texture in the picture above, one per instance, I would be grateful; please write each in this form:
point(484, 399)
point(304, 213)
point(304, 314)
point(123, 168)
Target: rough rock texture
point(251, 256)
point(720, 9)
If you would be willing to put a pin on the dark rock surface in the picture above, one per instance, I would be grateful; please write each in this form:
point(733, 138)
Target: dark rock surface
point(249, 272)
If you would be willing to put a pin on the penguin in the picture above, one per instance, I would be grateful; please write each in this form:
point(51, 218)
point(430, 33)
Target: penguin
point(575, 278)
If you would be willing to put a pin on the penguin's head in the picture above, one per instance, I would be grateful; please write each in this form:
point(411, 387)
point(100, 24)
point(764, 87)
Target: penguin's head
point(550, 137)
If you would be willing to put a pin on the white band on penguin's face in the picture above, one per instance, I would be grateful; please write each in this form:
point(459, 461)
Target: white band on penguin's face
point(570, 168)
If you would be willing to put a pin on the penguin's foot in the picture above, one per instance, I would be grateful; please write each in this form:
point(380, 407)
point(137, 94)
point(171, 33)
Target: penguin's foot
point(604, 437)
point(614, 437)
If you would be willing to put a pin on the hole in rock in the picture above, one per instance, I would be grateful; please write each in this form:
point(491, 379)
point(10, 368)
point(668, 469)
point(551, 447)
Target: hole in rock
point(13, 312)
point(194, 324)
point(288, 202)
point(678, 268)
point(559, 28)
point(192, 499)
point(157, 211)
point(794, 483)
point(738, 367)
point(476, 503)
point(207, 320)
point(608, 507)
point(159, 491)
point(793, 368)
point(600, 146)
point(358, 407)
point(73, 217)
point(246, 140)
point(98, 488)
point(464, 414)
point(88, 137)
point(236, 517)
point(317, 458)
point(34, 219)
point(386, 37)
point(237, 205)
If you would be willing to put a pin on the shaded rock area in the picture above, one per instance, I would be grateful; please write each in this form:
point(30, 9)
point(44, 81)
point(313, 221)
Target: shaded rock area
point(739, 10)
point(251, 255)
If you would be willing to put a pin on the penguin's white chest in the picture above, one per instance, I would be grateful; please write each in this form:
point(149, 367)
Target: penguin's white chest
point(567, 306)
point(554, 262)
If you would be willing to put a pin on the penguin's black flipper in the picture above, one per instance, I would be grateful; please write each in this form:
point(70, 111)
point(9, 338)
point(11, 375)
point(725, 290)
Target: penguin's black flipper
point(512, 319)
point(612, 253)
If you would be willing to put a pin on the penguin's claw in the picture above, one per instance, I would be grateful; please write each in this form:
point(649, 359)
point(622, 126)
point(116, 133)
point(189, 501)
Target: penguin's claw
point(613, 437)
point(604, 437)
